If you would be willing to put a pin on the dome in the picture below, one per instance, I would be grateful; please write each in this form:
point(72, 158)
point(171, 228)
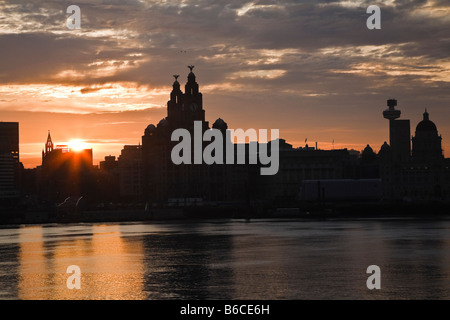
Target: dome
point(385, 147)
point(191, 75)
point(368, 149)
point(150, 129)
point(163, 123)
point(426, 125)
point(176, 84)
point(220, 124)
point(384, 150)
point(368, 156)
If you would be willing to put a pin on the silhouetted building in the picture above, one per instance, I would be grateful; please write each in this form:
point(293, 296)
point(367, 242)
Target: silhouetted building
point(65, 172)
point(420, 173)
point(9, 159)
point(422, 176)
point(399, 133)
point(164, 180)
point(107, 178)
point(110, 164)
point(305, 163)
point(9, 139)
point(341, 190)
point(131, 173)
point(427, 142)
point(8, 187)
point(369, 166)
point(238, 182)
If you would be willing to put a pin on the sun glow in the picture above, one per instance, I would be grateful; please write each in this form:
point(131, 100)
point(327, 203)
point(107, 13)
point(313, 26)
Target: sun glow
point(77, 145)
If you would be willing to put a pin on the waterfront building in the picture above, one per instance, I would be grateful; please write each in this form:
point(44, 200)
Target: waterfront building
point(9, 160)
point(65, 172)
point(424, 174)
point(129, 166)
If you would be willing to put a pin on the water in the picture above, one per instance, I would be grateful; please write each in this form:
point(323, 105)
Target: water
point(229, 259)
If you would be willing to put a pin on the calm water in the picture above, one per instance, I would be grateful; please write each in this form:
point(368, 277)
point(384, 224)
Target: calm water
point(264, 259)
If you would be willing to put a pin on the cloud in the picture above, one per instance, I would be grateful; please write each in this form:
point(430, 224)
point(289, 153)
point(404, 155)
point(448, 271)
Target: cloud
point(134, 40)
point(301, 65)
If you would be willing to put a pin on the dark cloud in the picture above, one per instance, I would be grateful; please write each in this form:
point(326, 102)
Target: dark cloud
point(302, 57)
point(160, 31)
point(39, 57)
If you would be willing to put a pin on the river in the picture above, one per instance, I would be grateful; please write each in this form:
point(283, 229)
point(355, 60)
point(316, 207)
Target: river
point(228, 259)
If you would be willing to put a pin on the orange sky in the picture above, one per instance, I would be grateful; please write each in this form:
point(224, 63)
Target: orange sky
point(309, 68)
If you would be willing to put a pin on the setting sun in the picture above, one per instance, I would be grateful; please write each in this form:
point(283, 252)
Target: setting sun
point(77, 145)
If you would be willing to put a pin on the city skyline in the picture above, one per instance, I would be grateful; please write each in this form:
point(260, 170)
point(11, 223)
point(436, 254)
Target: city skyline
point(78, 145)
point(183, 157)
point(212, 154)
point(311, 69)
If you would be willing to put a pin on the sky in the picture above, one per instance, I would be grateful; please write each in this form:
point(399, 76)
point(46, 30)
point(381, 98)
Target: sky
point(310, 68)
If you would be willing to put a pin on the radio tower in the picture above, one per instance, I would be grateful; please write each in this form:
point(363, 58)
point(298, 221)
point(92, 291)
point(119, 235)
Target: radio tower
point(391, 113)
point(399, 133)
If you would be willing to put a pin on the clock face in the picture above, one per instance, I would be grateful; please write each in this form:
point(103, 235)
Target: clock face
point(193, 107)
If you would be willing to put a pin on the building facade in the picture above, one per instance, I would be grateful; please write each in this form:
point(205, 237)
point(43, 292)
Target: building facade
point(129, 166)
point(421, 175)
point(9, 160)
point(165, 181)
point(65, 173)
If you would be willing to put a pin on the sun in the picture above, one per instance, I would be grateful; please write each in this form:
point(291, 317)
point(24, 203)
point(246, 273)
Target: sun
point(77, 145)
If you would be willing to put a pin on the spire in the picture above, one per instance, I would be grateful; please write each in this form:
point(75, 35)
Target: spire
point(176, 93)
point(191, 87)
point(49, 143)
point(176, 84)
point(426, 116)
point(191, 75)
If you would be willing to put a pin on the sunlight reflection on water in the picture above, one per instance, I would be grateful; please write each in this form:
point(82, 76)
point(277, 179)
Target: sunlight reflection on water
point(229, 259)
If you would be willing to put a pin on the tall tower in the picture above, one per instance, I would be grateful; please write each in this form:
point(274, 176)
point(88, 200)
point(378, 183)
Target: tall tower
point(399, 133)
point(49, 144)
point(9, 140)
point(391, 113)
point(9, 158)
point(193, 103)
point(174, 105)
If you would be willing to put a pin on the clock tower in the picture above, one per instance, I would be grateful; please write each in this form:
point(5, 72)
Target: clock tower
point(185, 108)
point(193, 100)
